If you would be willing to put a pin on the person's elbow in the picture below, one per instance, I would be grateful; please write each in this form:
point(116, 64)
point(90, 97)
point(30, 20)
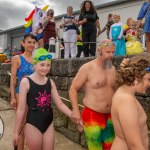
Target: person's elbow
point(13, 81)
point(20, 111)
point(73, 90)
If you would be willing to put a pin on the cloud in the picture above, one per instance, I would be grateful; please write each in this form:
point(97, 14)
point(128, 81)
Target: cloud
point(13, 12)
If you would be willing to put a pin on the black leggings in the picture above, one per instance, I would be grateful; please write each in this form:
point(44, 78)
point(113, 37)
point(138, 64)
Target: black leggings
point(80, 49)
point(89, 48)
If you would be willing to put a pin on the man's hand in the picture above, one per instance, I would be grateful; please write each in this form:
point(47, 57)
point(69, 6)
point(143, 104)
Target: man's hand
point(13, 103)
point(80, 126)
point(15, 140)
point(124, 62)
point(75, 116)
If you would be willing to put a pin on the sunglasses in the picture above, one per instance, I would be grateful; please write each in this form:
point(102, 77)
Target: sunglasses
point(43, 57)
point(147, 69)
point(107, 44)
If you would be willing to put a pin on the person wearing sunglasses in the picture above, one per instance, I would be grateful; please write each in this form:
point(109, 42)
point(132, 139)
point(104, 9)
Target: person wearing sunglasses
point(49, 28)
point(37, 92)
point(128, 116)
point(97, 79)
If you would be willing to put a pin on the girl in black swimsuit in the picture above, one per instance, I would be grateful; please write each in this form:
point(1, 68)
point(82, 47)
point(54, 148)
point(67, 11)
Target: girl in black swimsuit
point(37, 92)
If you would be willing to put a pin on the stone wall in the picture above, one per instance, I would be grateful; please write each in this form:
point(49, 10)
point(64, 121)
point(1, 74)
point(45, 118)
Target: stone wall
point(63, 72)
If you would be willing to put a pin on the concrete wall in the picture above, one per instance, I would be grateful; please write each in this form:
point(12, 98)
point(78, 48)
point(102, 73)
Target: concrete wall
point(63, 72)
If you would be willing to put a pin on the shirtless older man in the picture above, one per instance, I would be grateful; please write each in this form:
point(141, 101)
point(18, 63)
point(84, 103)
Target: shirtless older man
point(97, 78)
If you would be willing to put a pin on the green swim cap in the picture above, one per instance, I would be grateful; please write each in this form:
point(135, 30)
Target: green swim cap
point(40, 55)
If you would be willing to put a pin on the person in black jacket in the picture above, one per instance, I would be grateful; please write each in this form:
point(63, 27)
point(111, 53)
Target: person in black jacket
point(89, 20)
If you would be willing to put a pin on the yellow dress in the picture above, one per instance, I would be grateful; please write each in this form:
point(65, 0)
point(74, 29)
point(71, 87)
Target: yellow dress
point(125, 27)
point(133, 46)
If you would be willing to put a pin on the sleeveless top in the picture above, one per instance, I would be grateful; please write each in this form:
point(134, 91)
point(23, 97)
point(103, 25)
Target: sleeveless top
point(40, 112)
point(25, 69)
point(39, 96)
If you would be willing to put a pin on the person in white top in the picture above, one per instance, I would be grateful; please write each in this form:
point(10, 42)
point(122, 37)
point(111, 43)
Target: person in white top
point(69, 25)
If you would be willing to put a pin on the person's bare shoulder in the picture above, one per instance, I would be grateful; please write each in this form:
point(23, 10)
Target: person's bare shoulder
point(121, 99)
point(85, 67)
point(16, 59)
point(25, 83)
point(88, 65)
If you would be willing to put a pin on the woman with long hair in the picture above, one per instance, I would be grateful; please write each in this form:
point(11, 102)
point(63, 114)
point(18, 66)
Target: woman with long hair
point(90, 22)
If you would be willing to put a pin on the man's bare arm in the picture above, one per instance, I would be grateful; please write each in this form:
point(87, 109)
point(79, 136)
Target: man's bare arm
point(77, 83)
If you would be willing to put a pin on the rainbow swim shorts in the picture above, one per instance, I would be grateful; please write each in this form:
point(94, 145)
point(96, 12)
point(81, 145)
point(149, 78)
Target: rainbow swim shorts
point(98, 128)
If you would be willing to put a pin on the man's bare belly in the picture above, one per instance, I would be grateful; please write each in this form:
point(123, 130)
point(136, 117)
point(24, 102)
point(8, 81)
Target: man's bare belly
point(99, 100)
point(102, 106)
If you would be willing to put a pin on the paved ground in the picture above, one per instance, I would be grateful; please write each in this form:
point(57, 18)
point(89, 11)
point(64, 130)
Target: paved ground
point(61, 142)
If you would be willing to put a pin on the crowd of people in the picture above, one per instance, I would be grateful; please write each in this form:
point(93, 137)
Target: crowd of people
point(86, 28)
point(112, 116)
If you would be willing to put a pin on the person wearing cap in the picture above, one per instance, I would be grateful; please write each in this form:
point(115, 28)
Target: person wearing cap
point(128, 116)
point(97, 79)
point(37, 92)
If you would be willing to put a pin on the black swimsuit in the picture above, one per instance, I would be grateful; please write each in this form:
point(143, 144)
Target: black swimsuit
point(40, 112)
